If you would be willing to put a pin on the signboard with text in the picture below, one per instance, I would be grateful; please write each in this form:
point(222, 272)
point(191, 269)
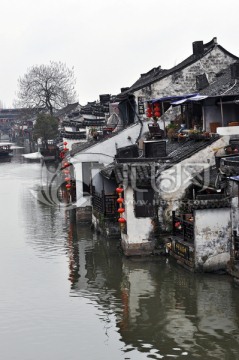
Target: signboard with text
point(181, 250)
point(141, 110)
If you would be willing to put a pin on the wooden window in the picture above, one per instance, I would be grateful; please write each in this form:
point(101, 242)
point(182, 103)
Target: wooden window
point(144, 203)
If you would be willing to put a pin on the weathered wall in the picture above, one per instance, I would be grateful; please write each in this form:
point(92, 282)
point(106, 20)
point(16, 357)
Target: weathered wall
point(212, 232)
point(172, 183)
point(184, 81)
point(139, 239)
point(103, 153)
point(235, 212)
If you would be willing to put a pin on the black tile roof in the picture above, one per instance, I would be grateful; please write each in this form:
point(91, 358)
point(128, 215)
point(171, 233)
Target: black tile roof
point(176, 152)
point(157, 73)
point(67, 109)
point(224, 84)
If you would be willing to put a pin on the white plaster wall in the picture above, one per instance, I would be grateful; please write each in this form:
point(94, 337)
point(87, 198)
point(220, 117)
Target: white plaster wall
point(103, 153)
point(228, 130)
point(71, 142)
point(120, 140)
point(212, 232)
point(172, 183)
point(138, 229)
point(235, 214)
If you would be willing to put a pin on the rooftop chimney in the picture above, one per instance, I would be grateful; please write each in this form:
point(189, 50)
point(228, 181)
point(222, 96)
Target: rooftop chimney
point(198, 48)
point(123, 89)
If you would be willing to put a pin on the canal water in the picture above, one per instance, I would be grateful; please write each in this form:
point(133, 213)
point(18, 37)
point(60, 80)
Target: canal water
point(69, 294)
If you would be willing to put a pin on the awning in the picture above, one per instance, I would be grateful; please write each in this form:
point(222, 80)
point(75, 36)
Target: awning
point(196, 97)
point(171, 98)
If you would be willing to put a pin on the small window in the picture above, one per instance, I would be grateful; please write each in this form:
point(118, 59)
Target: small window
point(144, 203)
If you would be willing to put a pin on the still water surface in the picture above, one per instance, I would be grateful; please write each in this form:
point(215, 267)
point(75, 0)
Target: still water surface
point(67, 293)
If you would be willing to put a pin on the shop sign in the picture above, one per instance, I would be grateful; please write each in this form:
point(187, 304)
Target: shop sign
point(181, 250)
point(141, 110)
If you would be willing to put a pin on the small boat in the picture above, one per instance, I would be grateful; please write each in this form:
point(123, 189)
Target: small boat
point(36, 156)
point(5, 149)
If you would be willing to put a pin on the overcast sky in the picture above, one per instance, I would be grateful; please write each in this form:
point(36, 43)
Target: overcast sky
point(109, 43)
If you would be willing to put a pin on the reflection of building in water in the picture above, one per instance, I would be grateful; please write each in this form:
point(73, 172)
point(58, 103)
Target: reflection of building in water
point(73, 253)
point(154, 303)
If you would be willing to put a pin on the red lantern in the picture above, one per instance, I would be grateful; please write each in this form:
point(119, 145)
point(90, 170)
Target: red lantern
point(119, 190)
point(65, 143)
point(149, 113)
point(67, 179)
point(157, 114)
point(121, 220)
point(66, 149)
point(120, 200)
point(121, 210)
point(68, 186)
point(66, 164)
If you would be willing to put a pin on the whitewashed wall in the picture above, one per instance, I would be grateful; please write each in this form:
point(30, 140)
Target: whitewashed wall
point(172, 183)
point(138, 229)
point(212, 232)
point(103, 153)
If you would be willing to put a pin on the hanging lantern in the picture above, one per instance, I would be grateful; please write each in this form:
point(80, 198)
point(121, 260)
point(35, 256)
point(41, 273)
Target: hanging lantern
point(119, 190)
point(121, 220)
point(65, 143)
point(121, 210)
point(68, 186)
point(66, 149)
point(66, 164)
point(120, 200)
point(149, 113)
point(157, 114)
point(67, 179)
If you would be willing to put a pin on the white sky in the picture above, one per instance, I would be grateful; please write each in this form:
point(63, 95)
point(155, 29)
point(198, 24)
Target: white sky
point(109, 43)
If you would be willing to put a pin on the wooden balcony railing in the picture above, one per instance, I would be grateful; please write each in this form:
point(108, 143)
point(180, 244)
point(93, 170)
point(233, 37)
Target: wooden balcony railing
point(183, 227)
point(105, 204)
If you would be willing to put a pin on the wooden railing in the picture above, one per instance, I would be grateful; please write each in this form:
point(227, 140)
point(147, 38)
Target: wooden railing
point(104, 204)
point(183, 228)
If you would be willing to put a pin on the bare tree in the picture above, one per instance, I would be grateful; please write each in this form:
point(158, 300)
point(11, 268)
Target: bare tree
point(49, 87)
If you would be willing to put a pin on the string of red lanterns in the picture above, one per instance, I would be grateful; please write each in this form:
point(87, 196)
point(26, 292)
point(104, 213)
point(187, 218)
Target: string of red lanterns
point(153, 110)
point(121, 209)
point(66, 171)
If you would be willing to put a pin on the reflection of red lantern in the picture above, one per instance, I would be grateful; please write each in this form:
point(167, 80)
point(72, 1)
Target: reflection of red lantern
point(120, 200)
point(121, 220)
point(121, 210)
point(119, 190)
